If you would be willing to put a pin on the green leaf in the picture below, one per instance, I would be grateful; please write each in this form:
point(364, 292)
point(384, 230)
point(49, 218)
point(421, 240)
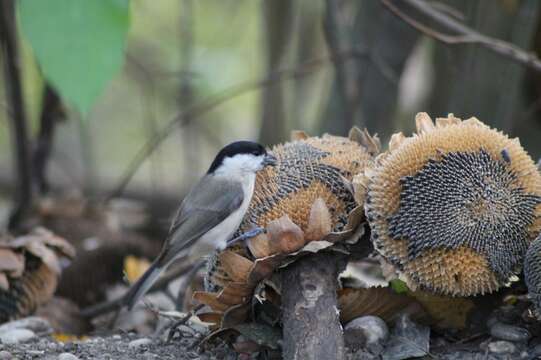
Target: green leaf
point(79, 44)
point(399, 286)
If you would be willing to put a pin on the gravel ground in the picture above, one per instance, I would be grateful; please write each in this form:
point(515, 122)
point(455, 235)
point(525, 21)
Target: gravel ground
point(117, 347)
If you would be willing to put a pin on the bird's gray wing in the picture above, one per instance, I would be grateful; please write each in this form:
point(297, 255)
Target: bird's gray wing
point(208, 204)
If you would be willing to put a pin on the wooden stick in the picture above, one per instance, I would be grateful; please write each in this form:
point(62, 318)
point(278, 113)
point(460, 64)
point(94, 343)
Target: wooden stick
point(310, 315)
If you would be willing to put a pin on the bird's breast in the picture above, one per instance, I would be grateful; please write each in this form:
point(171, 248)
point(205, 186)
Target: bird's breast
point(217, 237)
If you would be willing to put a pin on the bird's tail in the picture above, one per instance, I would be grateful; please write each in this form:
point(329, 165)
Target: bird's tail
point(142, 285)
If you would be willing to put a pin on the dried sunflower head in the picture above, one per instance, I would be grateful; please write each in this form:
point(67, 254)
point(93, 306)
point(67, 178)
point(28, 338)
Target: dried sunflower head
point(455, 206)
point(532, 273)
point(306, 203)
point(29, 271)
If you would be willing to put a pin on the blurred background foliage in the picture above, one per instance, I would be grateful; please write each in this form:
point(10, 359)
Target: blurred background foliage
point(105, 80)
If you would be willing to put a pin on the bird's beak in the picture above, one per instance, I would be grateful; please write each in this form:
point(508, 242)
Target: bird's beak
point(269, 160)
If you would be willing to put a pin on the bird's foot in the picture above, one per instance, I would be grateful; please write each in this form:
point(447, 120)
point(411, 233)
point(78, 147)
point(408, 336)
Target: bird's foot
point(247, 235)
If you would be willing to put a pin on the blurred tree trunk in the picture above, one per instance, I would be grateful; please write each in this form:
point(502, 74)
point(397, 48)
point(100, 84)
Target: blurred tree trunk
point(52, 111)
point(19, 132)
point(385, 43)
point(472, 81)
point(306, 90)
point(190, 143)
point(277, 20)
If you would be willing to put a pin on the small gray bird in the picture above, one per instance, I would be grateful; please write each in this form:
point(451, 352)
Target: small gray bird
point(211, 212)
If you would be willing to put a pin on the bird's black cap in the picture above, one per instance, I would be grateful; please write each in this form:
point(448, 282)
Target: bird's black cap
point(237, 147)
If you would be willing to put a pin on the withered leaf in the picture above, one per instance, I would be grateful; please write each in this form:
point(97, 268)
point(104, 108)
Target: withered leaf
point(396, 141)
point(235, 315)
point(446, 312)
point(229, 297)
point(319, 222)
point(378, 301)
point(11, 262)
point(298, 135)
point(4, 283)
point(210, 299)
point(263, 268)
point(259, 246)
point(423, 123)
point(235, 265)
point(210, 317)
point(285, 236)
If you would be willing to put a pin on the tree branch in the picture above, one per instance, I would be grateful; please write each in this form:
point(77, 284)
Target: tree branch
point(465, 34)
point(344, 72)
point(23, 197)
point(198, 109)
point(51, 112)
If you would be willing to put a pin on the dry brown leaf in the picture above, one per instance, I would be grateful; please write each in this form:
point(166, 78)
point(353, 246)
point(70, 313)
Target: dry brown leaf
point(395, 141)
point(210, 317)
point(319, 222)
point(58, 243)
point(263, 268)
point(135, 267)
point(285, 236)
point(447, 312)
point(236, 266)
point(382, 302)
point(229, 297)
point(46, 255)
point(298, 135)
point(238, 288)
point(210, 299)
point(67, 338)
point(259, 246)
point(11, 262)
point(370, 143)
point(360, 185)
point(4, 283)
point(235, 315)
point(423, 123)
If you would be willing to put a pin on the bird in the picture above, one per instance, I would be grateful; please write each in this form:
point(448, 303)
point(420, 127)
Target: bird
point(211, 212)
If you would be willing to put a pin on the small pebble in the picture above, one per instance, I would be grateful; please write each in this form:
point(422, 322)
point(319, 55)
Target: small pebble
point(35, 352)
point(509, 332)
point(16, 336)
point(407, 340)
point(373, 328)
point(67, 356)
point(117, 337)
point(501, 347)
point(5, 355)
point(536, 351)
point(135, 344)
point(491, 321)
point(149, 356)
point(34, 323)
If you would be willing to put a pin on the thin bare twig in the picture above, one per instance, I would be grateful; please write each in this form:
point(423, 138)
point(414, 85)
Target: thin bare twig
point(465, 34)
point(8, 36)
point(52, 111)
point(345, 72)
point(174, 328)
point(198, 109)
